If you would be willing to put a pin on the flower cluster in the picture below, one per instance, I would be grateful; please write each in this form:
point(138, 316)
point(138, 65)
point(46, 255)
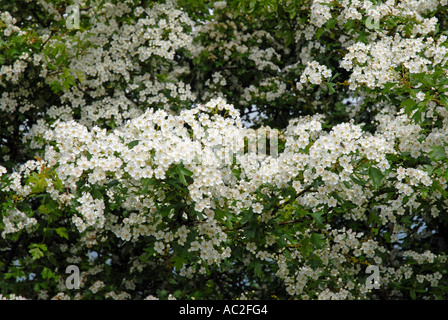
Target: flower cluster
point(314, 72)
point(146, 152)
point(15, 221)
point(380, 62)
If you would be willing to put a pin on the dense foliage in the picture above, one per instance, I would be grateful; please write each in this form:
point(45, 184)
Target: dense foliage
point(262, 149)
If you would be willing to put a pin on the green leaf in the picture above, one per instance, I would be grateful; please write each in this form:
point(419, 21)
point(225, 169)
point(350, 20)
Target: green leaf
point(178, 262)
point(68, 82)
point(38, 182)
point(62, 232)
point(258, 270)
point(43, 209)
point(199, 215)
point(80, 75)
point(318, 218)
point(48, 274)
point(186, 172)
point(408, 105)
point(306, 248)
point(132, 144)
point(417, 116)
point(146, 182)
point(37, 250)
point(96, 192)
point(236, 172)
point(150, 250)
point(358, 181)
point(319, 32)
point(58, 184)
point(250, 232)
point(51, 66)
point(182, 173)
point(36, 253)
point(318, 240)
point(444, 100)
point(441, 189)
point(247, 216)
point(331, 89)
point(388, 86)
point(349, 25)
point(376, 175)
point(428, 168)
point(331, 23)
point(437, 153)
point(181, 176)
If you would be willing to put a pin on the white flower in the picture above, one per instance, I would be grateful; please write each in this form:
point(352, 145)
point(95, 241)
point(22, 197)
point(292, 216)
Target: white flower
point(2, 170)
point(159, 247)
point(420, 96)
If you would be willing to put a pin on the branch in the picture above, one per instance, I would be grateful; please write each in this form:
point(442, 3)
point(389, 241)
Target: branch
point(45, 42)
point(290, 221)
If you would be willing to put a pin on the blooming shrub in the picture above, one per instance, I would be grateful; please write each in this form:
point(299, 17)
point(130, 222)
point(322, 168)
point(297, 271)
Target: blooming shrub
point(212, 149)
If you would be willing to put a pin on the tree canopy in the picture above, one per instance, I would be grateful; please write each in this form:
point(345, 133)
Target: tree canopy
point(262, 149)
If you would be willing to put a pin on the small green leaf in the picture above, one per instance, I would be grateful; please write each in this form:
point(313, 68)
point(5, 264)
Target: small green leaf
point(386, 237)
point(257, 270)
point(408, 105)
point(358, 181)
point(186, 172)
point(318, 240)
point(376, 175)
point(146, 183)
point(43, 209)
point(48, 274)
point(437, 153)
point(37, 250)
point(178, 262)
point(417, 116)
point(331, 23)
point(80, 75)
point(318, 217)
point(38, 182)
point(181, 175)
point(306, 248)
point(250, 232)
point(331, 89)
point(444, 100)
point(58, 184)
point(247, 216)
point(132, 144)
point(62, 232)
point(319, 33)
point(51, 66)
point(96, 192)
point(388, 86)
